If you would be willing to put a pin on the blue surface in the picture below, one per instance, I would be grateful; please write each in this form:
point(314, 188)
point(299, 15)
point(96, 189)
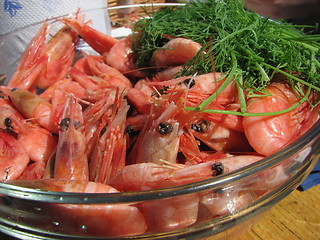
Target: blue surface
point(312, 180)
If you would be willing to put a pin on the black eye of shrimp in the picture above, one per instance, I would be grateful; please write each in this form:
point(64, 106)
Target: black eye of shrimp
point(165, 128)
point(13, 89)
point(189, 82)
point(130, 130)
point(8, 122)
point(103, 130)
point(201, 126)
point(217, 168)
point(64, 124)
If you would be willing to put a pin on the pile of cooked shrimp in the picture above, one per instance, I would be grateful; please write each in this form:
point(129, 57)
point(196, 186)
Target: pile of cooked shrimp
point(100, 124)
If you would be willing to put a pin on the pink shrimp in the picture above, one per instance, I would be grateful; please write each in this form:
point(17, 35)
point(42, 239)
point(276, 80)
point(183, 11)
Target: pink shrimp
point(59, 53)
point(176, 52)
point(99, 41)
point(37, 141)
point(220, 138)
point(13, 158)
point(47, 93)
point(161, 214)
point(10, 119)
point(33, 171)
point(110, 74)
point(109, 155)
point(120, 57)
point(227, 201)
point(34, 107)
point(175, 212)
point(96, 220)
point(148, 176)
point(59, 96)
point(97, 75)
point(71, 162)
point(269, 134)
point(94, 115)
point(159, 139)
point(139, 100)
point(198, 88)
point(168, 73)
point(32, 62)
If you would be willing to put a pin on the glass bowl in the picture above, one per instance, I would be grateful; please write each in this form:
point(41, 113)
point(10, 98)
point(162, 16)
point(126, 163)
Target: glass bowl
point(221, 207)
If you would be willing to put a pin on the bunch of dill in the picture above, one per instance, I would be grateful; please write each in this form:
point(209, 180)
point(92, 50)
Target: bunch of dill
point(248, 48)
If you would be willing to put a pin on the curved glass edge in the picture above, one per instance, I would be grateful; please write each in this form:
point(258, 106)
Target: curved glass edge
point(204, 229)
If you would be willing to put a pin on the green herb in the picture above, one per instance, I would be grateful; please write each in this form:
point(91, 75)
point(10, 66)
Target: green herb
point(248, 48)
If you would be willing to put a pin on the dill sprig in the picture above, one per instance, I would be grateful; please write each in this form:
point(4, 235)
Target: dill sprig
point(246, 47)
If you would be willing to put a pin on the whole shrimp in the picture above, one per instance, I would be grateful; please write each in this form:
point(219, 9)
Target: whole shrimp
point(59, 53)
point(71, 161)
point(13, 158)
point(98, 220)
point(31, 63)
point(148, 176)
point(37, 141)
point(174, 212)
point(159, 138)
point(269, 134)
point(109, 154)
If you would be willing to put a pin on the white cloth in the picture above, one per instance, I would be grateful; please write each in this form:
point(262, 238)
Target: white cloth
point(15, 14)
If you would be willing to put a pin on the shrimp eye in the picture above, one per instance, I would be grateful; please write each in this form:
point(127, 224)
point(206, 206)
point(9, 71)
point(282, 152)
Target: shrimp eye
point(64, 124)
point(130, 130)
point(10, 129)
point(218, 168)
point(8, 122)
point(189, 82)
point(201, 126)
point(14, 89)
point(165, 128)
point(161, 91)
point(103, 130)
